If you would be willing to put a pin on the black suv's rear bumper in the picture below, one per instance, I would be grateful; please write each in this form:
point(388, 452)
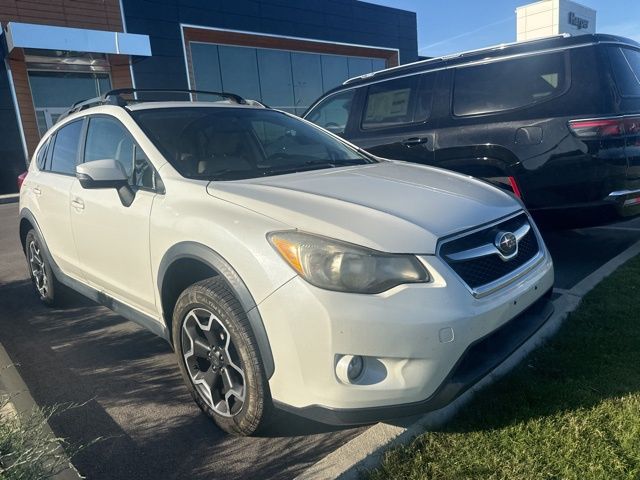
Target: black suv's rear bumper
point(615, 208)
point(476, 362)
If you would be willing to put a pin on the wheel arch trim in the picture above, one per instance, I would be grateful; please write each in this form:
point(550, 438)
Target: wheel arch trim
point(202, 253)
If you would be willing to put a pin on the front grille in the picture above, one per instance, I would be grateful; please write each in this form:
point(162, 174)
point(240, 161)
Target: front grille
point(489, 267)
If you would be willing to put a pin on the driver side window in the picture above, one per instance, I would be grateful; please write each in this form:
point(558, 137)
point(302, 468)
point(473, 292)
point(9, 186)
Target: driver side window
point(333, 113)
point(108, 139)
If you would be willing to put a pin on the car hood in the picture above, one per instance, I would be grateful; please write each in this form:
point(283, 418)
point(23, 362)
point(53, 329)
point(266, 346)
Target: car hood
point(389, 206)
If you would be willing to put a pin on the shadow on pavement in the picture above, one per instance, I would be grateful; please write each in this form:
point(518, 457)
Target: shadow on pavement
point(133, 397)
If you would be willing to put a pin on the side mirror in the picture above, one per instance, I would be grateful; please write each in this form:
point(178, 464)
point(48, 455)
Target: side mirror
point(106, 174)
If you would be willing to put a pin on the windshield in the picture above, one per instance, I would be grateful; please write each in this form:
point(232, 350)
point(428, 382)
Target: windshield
point(236, 143)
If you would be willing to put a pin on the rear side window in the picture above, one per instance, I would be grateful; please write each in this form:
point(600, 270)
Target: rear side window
point(626, 70)
point(333, 112)
point(398, 102)
point(41, 158)
point(65, 148)
point(508, 84)
point(390, 103)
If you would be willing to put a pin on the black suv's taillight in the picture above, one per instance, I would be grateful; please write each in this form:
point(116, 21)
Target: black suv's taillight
point(605, 127)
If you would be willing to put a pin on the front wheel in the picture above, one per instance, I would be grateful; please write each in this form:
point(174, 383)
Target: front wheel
point(218, 357)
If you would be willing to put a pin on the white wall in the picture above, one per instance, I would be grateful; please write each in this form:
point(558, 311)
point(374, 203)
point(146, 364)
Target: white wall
point(551, 17)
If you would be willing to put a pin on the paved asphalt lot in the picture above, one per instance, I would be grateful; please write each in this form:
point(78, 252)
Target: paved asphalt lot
point(131, 391)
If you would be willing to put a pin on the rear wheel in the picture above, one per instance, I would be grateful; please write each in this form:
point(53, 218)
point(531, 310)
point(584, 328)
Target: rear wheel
point(47, 286)
point(218, 357)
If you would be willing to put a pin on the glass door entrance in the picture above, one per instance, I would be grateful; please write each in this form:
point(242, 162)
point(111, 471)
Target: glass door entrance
point(54, 92)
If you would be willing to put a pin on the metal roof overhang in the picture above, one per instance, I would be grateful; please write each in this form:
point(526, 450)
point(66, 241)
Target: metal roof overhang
point(49, 37)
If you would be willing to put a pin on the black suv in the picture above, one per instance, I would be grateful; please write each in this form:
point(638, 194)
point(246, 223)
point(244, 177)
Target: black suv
point(556, 121)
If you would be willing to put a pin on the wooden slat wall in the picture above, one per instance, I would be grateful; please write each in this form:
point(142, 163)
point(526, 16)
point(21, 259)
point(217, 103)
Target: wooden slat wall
point(89, 14)
point(25, 104)
point(94, 14)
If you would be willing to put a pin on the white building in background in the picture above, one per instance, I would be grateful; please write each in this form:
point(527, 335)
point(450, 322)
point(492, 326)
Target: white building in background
point(553, 17)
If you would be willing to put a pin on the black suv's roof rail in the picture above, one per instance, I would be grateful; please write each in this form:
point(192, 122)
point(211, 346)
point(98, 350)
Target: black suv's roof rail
point(114, 97)
point(451, 55)
point(556, 40)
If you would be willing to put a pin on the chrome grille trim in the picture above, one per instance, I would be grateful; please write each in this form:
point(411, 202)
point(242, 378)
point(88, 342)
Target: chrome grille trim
point(483, 251)
point(488, 248)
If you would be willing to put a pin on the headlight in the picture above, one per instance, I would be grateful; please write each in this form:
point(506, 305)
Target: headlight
point(340, 266)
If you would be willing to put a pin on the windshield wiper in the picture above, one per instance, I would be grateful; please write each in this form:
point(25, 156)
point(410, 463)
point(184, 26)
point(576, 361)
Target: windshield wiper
point(312, 165)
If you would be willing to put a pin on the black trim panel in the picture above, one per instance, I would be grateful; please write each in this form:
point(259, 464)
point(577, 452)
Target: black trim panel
point(480, 358)
point(202, 253)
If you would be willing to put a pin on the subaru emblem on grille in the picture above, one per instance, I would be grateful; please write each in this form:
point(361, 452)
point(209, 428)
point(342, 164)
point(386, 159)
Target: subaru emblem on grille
point(506, 243)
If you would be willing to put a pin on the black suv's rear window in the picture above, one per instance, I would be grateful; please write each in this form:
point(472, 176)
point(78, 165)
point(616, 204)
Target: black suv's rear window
point(626, 70)
point(509, 84)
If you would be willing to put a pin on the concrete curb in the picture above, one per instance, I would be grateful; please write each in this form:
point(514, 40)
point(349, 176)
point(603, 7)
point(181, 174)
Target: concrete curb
point(10, 198)
point(21, 402)
point(365, 451)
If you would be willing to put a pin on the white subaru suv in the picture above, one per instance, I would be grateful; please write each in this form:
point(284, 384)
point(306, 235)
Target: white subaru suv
point(287, 268)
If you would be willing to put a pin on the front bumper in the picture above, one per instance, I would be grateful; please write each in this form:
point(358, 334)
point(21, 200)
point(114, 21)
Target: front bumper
point(477, 361)
point(423, 344)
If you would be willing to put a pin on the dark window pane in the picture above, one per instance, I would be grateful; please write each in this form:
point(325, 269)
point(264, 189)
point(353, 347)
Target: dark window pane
point(62, 89)
point(378, 64)
point(307, 79)
point(206, 66)
point(626, 69)
point(42, 156)
point(276, 82)
point(108, 139)
point(359, 66)
point(231, 143)
point(425, 97)
point(143, 174)
point(335, 70)
point(333, 113)
point(41, 120)
point(239, 69)
point(508, 84)
point(390, 103)
point(65, 149)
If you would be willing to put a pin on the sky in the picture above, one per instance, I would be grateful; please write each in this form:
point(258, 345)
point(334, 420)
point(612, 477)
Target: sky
point(449, 26)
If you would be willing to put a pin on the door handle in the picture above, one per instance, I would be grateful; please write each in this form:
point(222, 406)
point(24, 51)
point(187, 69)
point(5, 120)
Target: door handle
point(37, 191)
point(78, 204)
point(413, 141)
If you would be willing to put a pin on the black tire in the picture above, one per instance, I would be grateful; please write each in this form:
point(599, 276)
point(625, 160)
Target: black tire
point(213, 295)
point(46, 285)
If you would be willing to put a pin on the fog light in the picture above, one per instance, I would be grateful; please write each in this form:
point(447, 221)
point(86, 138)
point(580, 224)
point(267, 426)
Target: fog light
point(349, 368)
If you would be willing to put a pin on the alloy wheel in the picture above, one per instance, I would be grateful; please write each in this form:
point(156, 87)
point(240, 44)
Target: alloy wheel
point(213, 362)
point(36, 263)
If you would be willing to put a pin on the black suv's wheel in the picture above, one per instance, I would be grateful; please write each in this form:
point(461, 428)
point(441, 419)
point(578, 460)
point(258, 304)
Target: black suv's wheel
point(47, 286)
point(218, 357)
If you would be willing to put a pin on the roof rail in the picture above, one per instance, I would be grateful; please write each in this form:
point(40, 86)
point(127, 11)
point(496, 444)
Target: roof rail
point(114, 97)
point(452, 55)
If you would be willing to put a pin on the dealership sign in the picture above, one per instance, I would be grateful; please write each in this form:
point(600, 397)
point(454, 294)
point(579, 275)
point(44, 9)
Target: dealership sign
point(578, 22)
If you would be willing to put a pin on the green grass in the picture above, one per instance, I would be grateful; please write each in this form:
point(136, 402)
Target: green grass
point(27, 449)
point(571, 410)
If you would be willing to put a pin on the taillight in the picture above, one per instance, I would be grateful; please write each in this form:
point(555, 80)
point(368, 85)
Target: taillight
point(605, 127)
point(514, 186)
point(21, 178)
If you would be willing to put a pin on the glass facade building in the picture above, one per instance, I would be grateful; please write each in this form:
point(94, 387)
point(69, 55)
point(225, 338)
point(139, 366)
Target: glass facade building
point(286, 80)
point(283, 53)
